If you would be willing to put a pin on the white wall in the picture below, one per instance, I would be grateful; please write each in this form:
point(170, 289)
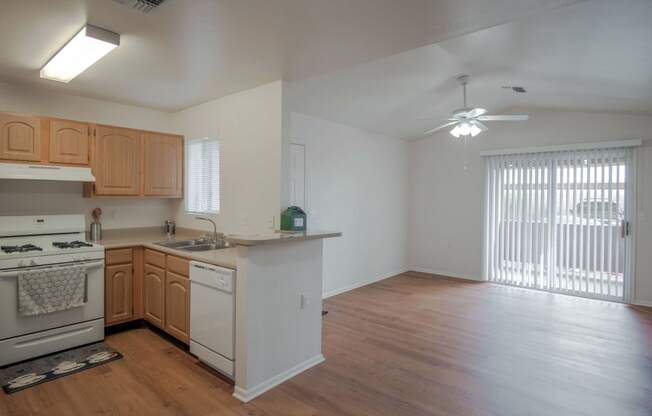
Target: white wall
point(248, 125)
point(356, 184)
point(446, 187)
point(36, 198)
point(45, 197)
point(26, 100)
point(276, 336)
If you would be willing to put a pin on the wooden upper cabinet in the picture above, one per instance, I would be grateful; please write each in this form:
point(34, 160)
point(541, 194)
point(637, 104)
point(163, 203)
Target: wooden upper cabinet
point(163, 170)
point(117, 161)
point(125, 162)
point(69, 142)
point(20, 138)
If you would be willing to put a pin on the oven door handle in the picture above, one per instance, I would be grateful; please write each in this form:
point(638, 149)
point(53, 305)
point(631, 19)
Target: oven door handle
point(14, 272)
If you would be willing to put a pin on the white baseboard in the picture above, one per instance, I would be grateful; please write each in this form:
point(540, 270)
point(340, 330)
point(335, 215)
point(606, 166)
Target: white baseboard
point(446, 274)
point(358, 285)
point(642, 303)
point(467, 277)
point(250, 394)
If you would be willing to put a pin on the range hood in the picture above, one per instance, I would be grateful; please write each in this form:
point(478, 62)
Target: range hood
point(45, 172)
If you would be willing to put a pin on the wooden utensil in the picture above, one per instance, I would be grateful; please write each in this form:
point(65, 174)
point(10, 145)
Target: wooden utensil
point(97, 212)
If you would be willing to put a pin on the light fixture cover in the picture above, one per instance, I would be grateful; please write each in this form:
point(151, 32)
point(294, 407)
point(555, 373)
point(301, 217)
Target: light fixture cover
point(465, 129)
point(456, 131)
point(88, 46)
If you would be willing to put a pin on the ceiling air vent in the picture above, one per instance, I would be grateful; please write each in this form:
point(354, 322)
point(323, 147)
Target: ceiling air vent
point(520, 90)
point(144, 6)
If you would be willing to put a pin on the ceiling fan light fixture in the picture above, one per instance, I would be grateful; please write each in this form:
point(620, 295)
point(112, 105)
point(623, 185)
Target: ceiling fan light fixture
point(465, 129)
point(456, 131)
point(468, 121)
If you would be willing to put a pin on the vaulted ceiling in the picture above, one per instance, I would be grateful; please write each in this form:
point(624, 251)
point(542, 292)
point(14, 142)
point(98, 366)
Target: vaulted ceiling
point(387, 66)
point(594, 55)
point(187, 52)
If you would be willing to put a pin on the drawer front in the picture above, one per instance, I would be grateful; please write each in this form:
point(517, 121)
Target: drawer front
point(119, 256)
point(178, 265)
point(155, 258)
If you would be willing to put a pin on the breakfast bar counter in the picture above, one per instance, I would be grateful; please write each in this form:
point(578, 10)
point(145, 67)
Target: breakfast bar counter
point(148, 236)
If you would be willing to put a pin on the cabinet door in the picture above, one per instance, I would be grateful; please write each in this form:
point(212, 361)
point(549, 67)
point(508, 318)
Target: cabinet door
point(163, 155)
point(177, 306)
point(20, 138)
point(68, 142)
point(117, 161)
point(154, 288)
point(118, 286)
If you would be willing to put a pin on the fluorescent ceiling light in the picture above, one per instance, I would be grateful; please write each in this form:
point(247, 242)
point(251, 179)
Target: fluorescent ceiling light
point(87, 47)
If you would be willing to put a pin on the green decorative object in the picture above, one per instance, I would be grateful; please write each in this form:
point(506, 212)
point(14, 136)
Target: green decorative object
point(293, 219)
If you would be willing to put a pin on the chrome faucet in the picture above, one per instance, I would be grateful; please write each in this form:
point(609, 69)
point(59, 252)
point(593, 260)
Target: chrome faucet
point(214, 236)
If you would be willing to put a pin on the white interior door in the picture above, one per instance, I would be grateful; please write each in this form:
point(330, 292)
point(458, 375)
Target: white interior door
point(559, 221)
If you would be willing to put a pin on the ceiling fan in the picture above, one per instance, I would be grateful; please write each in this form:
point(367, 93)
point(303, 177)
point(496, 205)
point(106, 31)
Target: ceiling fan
point(469, 121)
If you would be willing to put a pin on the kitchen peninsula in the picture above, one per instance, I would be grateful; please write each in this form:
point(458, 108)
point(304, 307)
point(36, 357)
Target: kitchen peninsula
point(277, 296)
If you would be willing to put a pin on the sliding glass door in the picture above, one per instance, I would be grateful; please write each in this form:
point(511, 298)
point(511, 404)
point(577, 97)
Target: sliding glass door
point(558, 221)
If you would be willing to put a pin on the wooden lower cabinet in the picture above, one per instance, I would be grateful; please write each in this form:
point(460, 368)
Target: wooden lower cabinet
point(148, 284)
point(119, 300)
point(154, 295)
point(177, 306)
point(167, 293)
point(123, 285)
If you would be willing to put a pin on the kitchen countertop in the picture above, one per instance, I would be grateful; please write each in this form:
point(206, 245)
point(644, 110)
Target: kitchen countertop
point(225, 257)
point(147, 236)
point(278, 237)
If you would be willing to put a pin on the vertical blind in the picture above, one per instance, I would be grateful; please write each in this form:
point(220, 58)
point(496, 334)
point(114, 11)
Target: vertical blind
point(555, 221)
point(203, 176)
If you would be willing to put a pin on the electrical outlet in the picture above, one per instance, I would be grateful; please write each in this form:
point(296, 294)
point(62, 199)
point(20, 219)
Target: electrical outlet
point(304, 300)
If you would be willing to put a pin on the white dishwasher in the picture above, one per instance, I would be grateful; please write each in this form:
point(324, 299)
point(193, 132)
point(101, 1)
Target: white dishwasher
point(212, 316)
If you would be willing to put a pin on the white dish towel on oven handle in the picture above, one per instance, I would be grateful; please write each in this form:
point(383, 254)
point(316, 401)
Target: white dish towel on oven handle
point(47, 290)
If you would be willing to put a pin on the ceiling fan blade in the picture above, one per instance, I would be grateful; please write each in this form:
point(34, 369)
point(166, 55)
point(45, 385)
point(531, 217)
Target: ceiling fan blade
point(440, 127)
point(512, 117)
point(476, 112)
point(480, 125)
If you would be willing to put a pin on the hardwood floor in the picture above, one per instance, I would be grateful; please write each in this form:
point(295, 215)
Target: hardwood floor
point(409, 345)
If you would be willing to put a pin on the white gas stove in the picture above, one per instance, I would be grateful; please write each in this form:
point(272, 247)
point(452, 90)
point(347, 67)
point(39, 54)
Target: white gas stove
point(47, 242)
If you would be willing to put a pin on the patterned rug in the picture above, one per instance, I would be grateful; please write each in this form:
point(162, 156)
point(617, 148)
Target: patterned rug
point(51, 367)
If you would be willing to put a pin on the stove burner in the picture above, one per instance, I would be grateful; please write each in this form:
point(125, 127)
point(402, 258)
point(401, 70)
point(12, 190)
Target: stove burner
point(71, 244)
point(20, 249)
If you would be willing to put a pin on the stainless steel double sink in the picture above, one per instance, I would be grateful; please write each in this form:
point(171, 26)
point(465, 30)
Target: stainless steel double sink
point(194, 245)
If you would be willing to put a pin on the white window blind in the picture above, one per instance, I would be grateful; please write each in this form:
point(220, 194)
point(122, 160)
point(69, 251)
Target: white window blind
point(203, 176)
point(557, 221)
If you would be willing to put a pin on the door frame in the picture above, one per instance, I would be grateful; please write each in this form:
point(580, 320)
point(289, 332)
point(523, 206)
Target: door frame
point(631, 216)
point(631, 212)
